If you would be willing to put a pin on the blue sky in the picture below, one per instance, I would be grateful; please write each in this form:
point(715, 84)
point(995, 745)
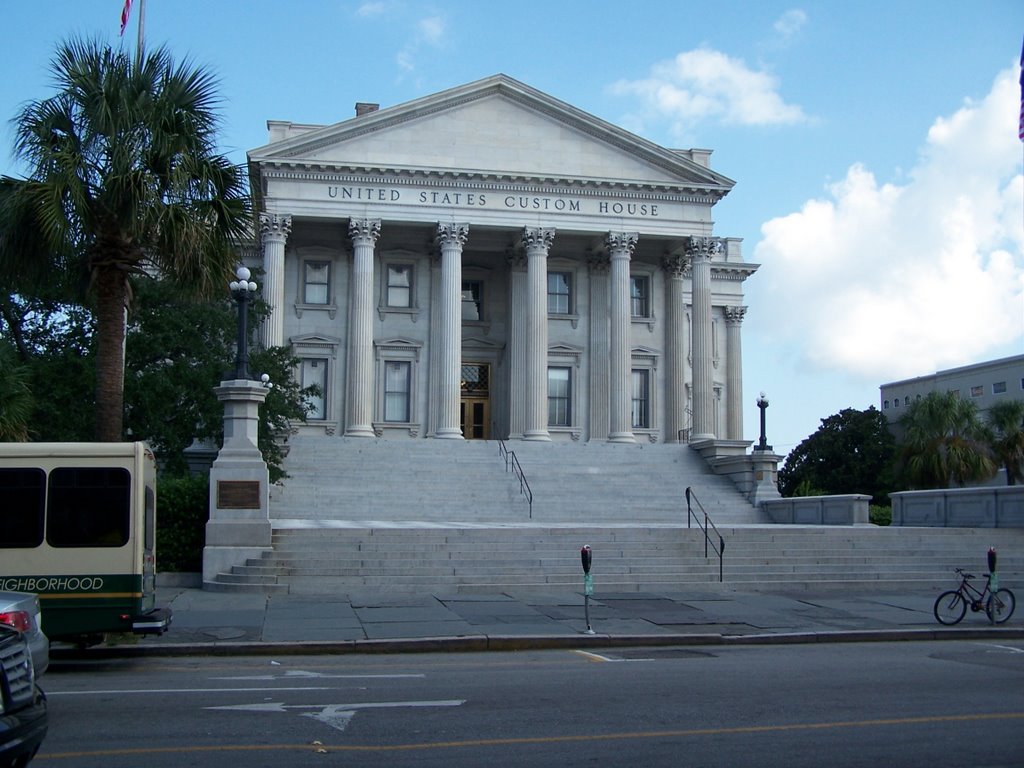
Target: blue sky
point(874, 146)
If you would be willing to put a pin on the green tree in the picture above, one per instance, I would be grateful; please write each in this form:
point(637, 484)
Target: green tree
point(124, 178)
point(1005, 421)
point(943, 442)
point(851, 452)
point(15, 396)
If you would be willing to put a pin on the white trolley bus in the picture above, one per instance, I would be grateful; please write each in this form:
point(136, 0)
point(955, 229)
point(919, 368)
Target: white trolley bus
point(78, 528)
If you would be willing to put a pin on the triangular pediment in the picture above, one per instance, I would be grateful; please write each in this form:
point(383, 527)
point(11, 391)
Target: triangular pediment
point(496, 127)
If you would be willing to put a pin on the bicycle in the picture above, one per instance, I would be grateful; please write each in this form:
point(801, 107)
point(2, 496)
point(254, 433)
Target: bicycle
point(951, 605)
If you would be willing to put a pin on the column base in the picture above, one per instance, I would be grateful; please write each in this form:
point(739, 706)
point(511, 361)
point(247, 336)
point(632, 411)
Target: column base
point(449, 433)
point(537, 434)
point(360, 431)
point(621, 437)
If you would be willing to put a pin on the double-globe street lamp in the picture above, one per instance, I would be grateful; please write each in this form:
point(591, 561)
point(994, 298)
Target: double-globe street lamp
point(243, 290)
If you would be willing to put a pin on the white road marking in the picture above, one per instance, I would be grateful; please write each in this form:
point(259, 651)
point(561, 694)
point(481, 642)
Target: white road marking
point(183, 690)
point(316, 675)
point(1002, 647)
point(337, 716)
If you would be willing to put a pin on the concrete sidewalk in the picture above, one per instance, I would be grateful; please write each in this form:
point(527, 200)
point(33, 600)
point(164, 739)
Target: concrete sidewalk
point(228, 624)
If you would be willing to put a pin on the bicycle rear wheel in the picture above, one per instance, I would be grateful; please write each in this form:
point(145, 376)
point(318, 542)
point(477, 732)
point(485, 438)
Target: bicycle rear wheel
point(950, 607)
point(1000, 605)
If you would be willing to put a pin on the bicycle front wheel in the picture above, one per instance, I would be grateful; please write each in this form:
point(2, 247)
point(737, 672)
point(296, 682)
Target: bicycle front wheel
point(1000, 605)
point(950, 607)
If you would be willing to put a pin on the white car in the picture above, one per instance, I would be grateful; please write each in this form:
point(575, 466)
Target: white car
point(21, 611)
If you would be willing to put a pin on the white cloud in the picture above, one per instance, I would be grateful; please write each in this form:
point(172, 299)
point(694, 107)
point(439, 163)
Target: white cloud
point(430, 32)
point(884, 281)
point(709, 85)
point(370, 9)
point(790, 23)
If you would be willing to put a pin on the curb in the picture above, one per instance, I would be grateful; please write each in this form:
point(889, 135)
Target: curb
point(485, 643)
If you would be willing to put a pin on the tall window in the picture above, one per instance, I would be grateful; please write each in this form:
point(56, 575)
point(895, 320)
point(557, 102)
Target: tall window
point(559, 397)
point(314, 374)
point(640, 295)
point(641, 398)
point(399, 288)
point(397, 376)
point(559, 293)
point(316, 282)
point(472, 300)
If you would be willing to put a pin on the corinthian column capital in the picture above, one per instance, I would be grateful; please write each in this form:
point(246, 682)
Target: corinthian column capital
point(365, 230)
point(620, 243)
point(537, 238)
point(734, 315)
point(452, 234)
point(273, 225)
point(675, 265)
point(698, 247)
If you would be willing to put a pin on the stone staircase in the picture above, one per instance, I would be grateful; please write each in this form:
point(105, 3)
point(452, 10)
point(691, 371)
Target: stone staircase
point(445, 517)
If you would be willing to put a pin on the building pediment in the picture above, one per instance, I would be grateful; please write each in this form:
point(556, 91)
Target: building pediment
point(495, 128)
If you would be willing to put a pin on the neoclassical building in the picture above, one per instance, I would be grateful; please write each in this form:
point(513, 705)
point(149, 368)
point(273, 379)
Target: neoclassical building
point(489, 261)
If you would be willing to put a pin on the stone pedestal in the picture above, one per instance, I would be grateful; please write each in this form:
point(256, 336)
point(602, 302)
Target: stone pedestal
point(239, 526)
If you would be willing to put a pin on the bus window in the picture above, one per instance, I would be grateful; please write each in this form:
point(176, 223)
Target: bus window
point(150, 523)
point(89, 507)
point(21, 516)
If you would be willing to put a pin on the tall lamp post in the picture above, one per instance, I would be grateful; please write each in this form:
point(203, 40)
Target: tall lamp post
point(243, 291)
point(762, 404)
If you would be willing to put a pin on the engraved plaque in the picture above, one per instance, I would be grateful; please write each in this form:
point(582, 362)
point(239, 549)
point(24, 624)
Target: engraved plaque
point(238, 494)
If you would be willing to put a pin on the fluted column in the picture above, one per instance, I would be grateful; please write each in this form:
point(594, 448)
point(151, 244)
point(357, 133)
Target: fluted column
point(675, 351)
point(517, 343)
point(537, 242)
point(451, 238)
point(275, 230)
point(359, 421)
point(734, 373)
point(620, 250)
point(599, 350)
point(701, 250)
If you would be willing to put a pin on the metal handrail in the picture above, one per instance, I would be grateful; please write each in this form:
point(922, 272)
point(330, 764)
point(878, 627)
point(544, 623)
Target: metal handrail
point(690, 515)
point(512, 462)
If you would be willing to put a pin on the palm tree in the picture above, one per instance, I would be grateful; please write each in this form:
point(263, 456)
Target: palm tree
point(943, 442)
point(1006, 425)
point(124, 180)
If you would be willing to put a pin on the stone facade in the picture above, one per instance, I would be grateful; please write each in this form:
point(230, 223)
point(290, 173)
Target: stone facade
point(491, 262)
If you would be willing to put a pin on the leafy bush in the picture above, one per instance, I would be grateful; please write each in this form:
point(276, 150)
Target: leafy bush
point(183, 507)
point(880, 515)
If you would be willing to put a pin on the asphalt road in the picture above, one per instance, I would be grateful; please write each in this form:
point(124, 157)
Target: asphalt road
point(950, 703)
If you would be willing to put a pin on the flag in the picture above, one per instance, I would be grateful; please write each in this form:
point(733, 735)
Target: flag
point(1020, 127)
point(128, 9)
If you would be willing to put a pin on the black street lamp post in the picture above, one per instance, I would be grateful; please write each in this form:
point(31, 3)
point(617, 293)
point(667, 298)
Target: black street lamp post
point(243, 290)
point(762, 403)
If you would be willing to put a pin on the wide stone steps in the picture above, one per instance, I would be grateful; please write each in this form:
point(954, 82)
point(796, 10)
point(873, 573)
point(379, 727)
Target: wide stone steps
point(410, 559)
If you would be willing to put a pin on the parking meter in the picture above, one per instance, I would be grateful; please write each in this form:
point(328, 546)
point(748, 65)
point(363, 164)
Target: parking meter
point(993, 583)
point(587, 557)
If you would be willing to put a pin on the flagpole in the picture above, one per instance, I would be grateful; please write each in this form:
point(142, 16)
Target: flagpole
point(138, 40)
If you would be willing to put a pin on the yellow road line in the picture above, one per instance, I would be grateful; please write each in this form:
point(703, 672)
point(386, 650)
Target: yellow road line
point(527, 740)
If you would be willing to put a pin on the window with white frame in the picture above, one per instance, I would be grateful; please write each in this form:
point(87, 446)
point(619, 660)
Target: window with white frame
point(314, 374)
point(398, 291)
point(560, 298)
point(640, 295)
point(397, 386)
point(472, 300)
point(316, 282)
point(641, 404)
point(559, 397)
point(998, 387)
